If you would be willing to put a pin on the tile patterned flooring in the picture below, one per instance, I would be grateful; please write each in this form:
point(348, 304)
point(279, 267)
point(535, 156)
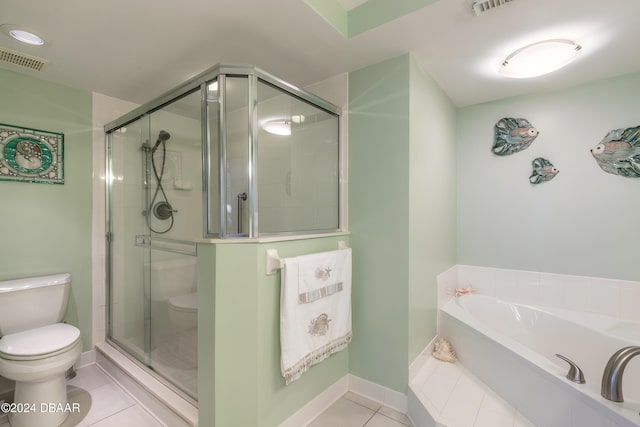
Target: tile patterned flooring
point(353, 410)
point(102, 403)
point(456, 398)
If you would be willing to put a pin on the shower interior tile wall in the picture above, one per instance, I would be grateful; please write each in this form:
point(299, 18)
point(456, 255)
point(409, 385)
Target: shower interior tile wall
point(616, 298)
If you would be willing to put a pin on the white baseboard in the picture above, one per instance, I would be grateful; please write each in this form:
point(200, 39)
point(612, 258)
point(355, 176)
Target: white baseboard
point(87, 358)
point(372, 391)
point(383, 395)
point(316, 406)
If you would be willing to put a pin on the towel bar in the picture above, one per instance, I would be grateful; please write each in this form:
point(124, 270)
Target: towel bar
point(274, 263)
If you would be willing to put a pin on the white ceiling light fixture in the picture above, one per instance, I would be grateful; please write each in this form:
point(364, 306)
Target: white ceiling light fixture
point(26, 37)
point(278, 127)
point(298, 118)
point(540, 58)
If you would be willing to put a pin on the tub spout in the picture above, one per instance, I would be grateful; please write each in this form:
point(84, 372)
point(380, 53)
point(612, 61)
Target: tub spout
point(612, 376)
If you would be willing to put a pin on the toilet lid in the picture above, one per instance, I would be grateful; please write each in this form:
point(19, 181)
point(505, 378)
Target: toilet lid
point(188, 302)
point(34, 342)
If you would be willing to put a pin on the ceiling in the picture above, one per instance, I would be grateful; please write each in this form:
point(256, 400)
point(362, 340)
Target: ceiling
point(137, 50)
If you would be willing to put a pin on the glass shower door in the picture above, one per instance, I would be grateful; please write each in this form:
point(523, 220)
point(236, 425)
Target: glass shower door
point(128, 308)
point(156, 217)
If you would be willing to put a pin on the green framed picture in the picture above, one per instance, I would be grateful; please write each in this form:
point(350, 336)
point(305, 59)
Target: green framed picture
point(31, 155)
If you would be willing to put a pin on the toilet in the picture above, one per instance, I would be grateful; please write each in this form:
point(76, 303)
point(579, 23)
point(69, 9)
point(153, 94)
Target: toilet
point(35, 349)
point(183, 320)
point(183, 312)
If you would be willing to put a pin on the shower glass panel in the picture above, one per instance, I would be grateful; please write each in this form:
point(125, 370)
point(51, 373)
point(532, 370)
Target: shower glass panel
point(128, 310)
point(212, 130)
point(233, 153)
point(298, 164)
point(156, 200)
point(237, 156)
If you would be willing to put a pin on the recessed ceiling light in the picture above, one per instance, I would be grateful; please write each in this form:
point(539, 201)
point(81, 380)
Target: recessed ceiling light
point(26, 37)
point(540, 58)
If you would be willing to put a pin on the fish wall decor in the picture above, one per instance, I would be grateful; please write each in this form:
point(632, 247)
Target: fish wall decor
point(543, 171)
point(619, 152)
point(513, 135)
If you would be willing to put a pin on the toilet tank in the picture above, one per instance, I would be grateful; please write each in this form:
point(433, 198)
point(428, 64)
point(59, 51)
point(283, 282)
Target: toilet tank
point(33, 302)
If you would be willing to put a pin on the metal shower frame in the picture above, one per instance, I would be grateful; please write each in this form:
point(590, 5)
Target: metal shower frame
point(219, 73)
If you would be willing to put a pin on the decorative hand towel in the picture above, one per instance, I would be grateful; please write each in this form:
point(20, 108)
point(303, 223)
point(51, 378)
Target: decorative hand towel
point(315, 310)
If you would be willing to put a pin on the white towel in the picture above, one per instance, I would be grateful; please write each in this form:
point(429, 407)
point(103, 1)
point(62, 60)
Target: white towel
point(315, 310)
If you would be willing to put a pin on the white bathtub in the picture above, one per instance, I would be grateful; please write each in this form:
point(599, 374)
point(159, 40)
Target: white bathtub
point(512, 347)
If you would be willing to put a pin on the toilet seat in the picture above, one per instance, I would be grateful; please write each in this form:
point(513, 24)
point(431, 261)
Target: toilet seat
point(39, 343)
point(186, 303)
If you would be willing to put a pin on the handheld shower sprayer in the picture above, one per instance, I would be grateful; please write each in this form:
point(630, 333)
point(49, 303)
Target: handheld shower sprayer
point(161, 209)
point(162, 137)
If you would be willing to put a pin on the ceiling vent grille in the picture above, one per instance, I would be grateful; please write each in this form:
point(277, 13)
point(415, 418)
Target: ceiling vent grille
point(21, 59)
point(480, 7)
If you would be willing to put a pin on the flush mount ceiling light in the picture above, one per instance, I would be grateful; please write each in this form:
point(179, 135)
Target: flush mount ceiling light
point(540, 58)
point(278, 127)
point(298, 118)
point(22, 34)
point(26, 37)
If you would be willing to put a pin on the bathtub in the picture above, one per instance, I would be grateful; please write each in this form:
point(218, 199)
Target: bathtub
point(511, 347)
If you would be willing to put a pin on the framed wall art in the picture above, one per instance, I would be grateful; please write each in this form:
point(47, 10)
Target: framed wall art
point(31, 155)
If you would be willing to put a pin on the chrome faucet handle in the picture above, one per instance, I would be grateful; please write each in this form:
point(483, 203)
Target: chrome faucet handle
point(575, 373)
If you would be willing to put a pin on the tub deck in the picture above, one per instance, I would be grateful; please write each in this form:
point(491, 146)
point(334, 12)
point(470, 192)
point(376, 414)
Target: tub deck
point(501, 353)
point(454, 397)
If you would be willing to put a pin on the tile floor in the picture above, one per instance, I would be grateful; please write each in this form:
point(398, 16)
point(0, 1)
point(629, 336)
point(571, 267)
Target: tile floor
point(440, 386)
point(102, 403)
point(456, 398)
point(353, 410)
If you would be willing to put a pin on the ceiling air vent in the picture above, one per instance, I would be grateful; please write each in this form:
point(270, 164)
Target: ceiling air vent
point(21, 59)
point(480, 7)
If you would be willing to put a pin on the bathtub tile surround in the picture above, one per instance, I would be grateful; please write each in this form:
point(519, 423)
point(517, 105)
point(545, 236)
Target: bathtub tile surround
point(609, 297)
point(454, 397)
point(511, 338)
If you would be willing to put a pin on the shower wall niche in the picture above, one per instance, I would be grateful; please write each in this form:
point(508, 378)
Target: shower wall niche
point(232, 153)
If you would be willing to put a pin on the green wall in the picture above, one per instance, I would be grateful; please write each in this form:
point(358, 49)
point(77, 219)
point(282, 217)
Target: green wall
point(378, 218)
point(401, 213)
point(578, 223)
point(246, 384)
point(432, 201)
point(46, 229)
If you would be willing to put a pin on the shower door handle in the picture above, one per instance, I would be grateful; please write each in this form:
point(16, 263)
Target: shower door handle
point(241, 198)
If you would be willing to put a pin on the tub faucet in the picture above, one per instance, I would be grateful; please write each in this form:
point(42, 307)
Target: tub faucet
point(612, 376)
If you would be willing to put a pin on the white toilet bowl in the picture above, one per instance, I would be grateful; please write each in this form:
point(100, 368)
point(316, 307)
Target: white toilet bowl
point(36, 349)
point(183, 312)
point(183, 321)
point(37, 360)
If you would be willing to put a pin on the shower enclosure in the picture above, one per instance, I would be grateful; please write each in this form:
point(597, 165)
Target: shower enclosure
point(233, 153)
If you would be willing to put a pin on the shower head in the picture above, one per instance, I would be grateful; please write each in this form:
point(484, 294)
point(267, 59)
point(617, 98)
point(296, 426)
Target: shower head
point(162, 137)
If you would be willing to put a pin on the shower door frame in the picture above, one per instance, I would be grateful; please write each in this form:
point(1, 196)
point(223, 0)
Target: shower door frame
point(211, 196)
point(219, 73)
point(148, 243)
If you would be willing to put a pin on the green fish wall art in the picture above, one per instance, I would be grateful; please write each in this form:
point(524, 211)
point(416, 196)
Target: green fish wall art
point(513, 135)
point(619, 152)
point(543, 171)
